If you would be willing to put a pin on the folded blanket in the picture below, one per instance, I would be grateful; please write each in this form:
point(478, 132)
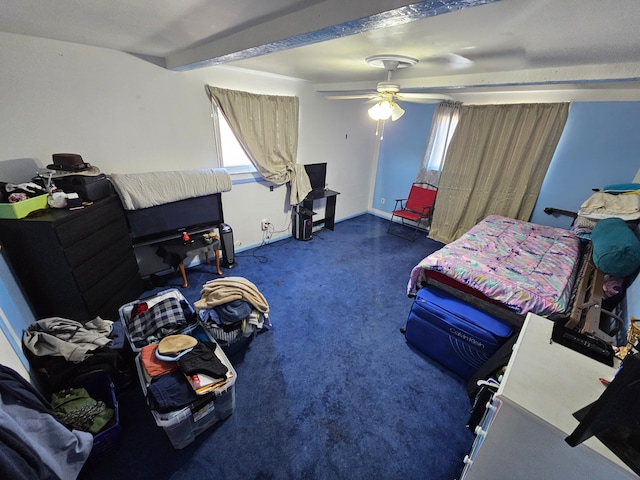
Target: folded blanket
point(600, 201)
point(143, 190)
point(603, 205)
point(223, 290)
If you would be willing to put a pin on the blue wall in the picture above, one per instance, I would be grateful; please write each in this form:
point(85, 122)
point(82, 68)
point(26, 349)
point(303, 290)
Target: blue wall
point(599, 146)
point(401, 151)
point(15, 313)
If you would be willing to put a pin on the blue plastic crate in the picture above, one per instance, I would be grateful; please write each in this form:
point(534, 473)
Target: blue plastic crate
point(99, 386)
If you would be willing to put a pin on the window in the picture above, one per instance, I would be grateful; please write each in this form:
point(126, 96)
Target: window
point(231, 155)
point(444, 124)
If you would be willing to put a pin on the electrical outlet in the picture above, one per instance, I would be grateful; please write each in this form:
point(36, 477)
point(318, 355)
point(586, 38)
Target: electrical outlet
point(265, 224)
point(382, 201)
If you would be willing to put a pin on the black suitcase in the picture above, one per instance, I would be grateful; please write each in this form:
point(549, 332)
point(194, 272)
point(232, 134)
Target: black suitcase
point(89, 187)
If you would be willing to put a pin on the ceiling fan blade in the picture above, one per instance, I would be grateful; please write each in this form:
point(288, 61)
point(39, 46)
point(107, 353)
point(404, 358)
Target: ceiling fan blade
point(369, 96)
point(423, 97)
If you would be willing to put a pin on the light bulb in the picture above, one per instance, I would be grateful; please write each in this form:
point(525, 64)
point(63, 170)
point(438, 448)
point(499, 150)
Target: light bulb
point(384, 112)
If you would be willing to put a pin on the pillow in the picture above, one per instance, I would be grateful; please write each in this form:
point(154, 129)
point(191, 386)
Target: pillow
point(621, 188)
point(616, 249)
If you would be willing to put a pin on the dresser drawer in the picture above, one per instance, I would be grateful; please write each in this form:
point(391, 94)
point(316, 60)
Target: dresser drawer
point(102, 263)
point(129, 291)
point(110, 284)
point(97, 242)
point(84, 223)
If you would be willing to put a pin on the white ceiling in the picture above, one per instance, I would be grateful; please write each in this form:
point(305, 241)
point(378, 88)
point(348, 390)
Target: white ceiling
point(512, 45)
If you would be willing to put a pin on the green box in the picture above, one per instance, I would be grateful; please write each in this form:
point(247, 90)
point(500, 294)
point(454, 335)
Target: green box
point(23, 208)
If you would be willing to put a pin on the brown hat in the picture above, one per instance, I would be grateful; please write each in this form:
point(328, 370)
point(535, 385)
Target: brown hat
point(69, 162)
point(174, 344)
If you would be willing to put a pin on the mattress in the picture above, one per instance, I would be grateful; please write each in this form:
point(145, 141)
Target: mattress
point(524, 266)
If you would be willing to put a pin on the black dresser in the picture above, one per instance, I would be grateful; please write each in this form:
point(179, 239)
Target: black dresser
point(74, 264)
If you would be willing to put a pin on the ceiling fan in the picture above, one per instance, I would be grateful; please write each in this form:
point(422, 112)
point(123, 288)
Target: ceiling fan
point(388, 93)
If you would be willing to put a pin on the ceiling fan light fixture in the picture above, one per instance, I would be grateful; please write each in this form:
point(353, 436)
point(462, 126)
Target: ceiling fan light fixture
point(381, 110)
point(385, 110)
point(396, 111)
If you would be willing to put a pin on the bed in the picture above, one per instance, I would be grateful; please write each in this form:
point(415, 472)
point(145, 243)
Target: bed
point(510, 268)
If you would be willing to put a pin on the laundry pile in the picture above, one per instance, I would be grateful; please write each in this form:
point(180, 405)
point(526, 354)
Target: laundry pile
point(150, 321)
point(232, 309)
point(76, 409)
point(180, 368)
point(186, 377)
point(12, 192)
point(35, 444)
point(60, 349)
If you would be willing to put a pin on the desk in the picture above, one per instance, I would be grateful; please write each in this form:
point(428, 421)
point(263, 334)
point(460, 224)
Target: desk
point(173, 252)
point(330, 212)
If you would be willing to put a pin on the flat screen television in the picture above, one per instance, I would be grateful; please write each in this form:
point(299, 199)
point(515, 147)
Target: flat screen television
point(169, 220)
point(317, 173)
point(614, 418)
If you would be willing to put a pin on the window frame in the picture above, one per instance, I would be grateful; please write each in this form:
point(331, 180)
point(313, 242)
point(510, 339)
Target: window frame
point(220, 124)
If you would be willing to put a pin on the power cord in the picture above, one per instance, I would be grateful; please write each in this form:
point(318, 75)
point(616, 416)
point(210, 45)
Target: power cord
point(267, 235)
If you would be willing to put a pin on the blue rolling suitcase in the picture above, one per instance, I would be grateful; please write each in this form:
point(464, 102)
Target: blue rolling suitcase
point(457, 335)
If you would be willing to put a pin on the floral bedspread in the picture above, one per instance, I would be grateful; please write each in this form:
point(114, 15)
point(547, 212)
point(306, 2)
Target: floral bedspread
point(525, 266)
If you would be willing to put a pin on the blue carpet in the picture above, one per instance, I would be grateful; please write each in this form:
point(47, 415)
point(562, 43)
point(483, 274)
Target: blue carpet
point(332, 391)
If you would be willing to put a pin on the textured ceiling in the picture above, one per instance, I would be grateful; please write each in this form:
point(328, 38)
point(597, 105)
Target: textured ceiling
point(512, 44)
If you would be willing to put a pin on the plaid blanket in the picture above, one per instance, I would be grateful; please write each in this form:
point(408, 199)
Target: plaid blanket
point(164, 318)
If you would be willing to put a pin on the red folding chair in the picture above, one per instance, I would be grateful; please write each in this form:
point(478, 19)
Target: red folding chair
point(417, 209)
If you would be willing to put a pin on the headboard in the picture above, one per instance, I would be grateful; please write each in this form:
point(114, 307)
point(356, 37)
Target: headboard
point(169, 220)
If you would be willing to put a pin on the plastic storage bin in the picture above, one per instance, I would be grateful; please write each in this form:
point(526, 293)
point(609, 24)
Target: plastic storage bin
point(100, 387)
point(232, 342)
point(23, 208)
point(125, 310)
point(184, 425)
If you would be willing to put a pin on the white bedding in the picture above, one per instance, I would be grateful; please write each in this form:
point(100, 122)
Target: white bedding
point(143, 190)
point(605, 205)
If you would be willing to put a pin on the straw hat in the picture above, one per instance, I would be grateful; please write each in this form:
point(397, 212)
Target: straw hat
point(173, 345)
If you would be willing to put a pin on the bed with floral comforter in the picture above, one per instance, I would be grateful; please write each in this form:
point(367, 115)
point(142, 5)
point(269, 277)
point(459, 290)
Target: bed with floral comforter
point(523, 266)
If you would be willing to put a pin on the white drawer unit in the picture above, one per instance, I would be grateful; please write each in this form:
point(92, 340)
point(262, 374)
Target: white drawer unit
point(522, 435)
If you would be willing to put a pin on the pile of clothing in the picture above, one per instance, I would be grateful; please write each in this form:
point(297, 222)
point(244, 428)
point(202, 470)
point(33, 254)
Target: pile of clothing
point(35, 444)
point(77, 410)
point(150, 321)
point(17, 192)
point(180, 368)
point(614, 201)
point(60, 349)
point(232, 309)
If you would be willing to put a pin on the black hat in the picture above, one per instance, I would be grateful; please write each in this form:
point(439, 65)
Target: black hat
point(69, 162)
point(72, 163)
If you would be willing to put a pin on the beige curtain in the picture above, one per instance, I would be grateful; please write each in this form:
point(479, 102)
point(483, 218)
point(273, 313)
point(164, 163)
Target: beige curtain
point(495, 164)
point(267, 128)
